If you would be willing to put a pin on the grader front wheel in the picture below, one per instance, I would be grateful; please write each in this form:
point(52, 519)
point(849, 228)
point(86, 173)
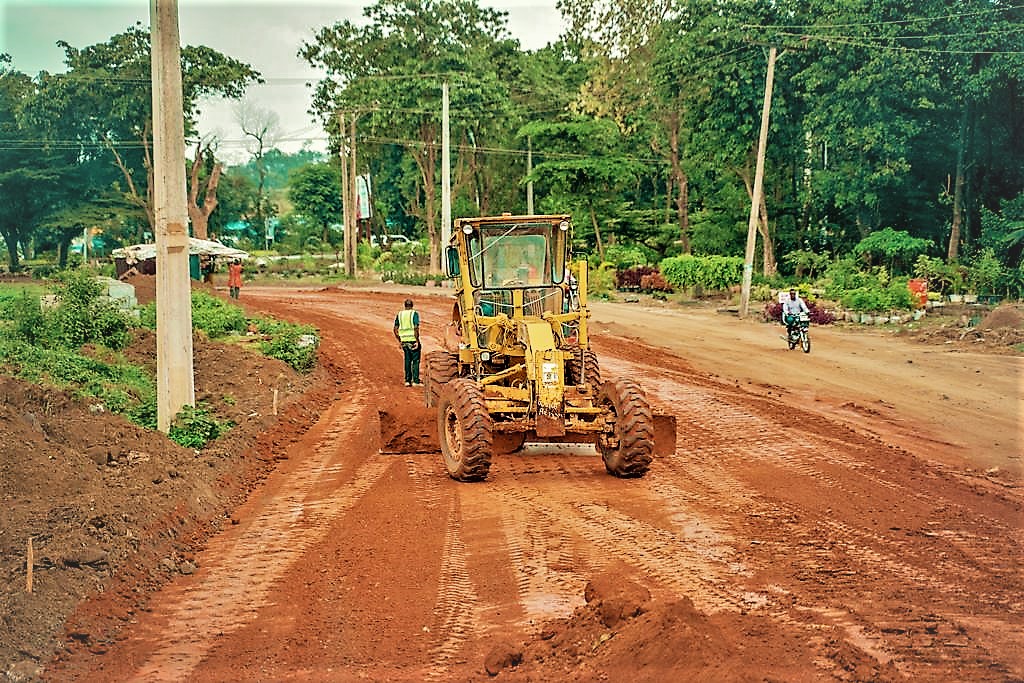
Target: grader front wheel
point(627, 450)
point(465, 430)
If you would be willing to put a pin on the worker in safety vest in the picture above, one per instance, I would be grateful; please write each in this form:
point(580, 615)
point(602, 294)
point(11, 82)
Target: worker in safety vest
point(407, 332)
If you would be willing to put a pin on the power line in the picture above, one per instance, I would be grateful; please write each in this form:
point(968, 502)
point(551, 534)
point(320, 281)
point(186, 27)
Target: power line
point(867, 42)
point(890, 22)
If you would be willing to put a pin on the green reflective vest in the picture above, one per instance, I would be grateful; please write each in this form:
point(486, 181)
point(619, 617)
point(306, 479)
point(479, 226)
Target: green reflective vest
point(407, 320)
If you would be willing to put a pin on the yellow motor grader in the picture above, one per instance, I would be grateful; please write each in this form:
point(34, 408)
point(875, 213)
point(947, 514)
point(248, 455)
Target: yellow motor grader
point(517, 363)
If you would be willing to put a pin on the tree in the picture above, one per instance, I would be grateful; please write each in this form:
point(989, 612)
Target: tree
point(315, 191)
point(390, 70)
point(262, 127)
point(584, 168)
point(104, 101)
point(18, 172)
point(198, 215)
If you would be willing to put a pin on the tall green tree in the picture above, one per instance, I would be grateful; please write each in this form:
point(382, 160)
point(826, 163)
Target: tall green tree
point(390, 70)
point(583, 170)
point(315, 192)
point(104, 103)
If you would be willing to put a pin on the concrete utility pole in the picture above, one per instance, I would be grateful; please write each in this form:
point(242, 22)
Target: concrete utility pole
point(755, 202)
point(446, 171)
point(529, 170)
point(175, 386)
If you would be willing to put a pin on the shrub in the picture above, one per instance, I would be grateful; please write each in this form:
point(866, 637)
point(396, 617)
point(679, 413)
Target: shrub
point(681, 271)
point(28, 320)
point(625, 257)
point(817, 314)
point(631, 278)
point(900, 296)
point(294, 344)
point(601, 280)
point(216, 317)
point(866, 299)
point(194, 427)
point(894, 248)
point(707, 272)
point(81, 316)
point(985, 272)
point(655, 282)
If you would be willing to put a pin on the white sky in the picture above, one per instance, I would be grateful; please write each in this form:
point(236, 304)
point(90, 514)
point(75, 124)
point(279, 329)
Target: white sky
point(264, 34)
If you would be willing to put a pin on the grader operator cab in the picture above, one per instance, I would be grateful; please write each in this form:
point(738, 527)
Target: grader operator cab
point(517, 363)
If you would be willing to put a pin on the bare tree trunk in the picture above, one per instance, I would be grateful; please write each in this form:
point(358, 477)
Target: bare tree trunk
point(769, 264)
point(682, 198)
point(426, 161)
point(953, 252)
point(146, 204)
point(10, 237)
point(200, 215)
point(597, 233)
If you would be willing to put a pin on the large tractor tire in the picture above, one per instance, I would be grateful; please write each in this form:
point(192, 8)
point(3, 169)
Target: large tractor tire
point(442, 367)
point(584, 361)
point(628, 450)
point(465, 430)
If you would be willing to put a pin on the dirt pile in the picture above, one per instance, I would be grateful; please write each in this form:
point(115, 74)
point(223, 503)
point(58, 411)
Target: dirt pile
point(998, 331)
point(113, 510)
point(622, 634)
point(1004, 317)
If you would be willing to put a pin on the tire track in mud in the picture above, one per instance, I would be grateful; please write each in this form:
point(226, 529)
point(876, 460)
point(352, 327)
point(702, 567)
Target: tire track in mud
point(601, 535)
point(704, 416)
point(238, 570)
point(727, 422)
point(456, 612)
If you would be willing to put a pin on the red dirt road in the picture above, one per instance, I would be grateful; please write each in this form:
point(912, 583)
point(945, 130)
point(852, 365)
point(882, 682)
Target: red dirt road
point(800, 532)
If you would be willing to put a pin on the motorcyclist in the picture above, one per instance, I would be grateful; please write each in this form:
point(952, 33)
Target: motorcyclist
point(791, 309)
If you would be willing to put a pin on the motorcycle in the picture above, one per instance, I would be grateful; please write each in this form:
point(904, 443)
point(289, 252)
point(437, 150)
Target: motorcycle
point(796, 333)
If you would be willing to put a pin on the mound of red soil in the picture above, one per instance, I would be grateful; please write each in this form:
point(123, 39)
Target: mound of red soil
point(109, 510)
point(1006, 316)
point(622, 634)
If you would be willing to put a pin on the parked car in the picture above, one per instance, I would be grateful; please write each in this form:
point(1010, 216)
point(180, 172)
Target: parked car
point(384, 240)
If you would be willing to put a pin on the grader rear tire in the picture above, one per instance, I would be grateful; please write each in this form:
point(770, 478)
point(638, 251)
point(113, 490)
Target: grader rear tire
point(629, 449)
point(465, 430)
point(585, 361)
point(442, 367)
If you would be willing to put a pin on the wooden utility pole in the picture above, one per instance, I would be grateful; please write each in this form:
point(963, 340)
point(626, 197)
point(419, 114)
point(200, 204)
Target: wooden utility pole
point(353, 198)
point(755, 202)
point(174, 370)
point(346, 223)
point(529, 171)
point(446, 172)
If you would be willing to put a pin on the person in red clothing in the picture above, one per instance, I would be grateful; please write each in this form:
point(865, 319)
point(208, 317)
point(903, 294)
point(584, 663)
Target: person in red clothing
point(234, 278)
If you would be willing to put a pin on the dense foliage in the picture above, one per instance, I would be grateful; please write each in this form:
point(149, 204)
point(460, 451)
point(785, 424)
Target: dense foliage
point(894, 133)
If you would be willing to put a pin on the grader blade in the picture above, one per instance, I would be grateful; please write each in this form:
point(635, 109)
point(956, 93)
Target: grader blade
point(406, 434)
point(664, 434)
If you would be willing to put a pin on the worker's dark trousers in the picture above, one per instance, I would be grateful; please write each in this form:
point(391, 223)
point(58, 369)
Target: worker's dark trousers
point(411, 351)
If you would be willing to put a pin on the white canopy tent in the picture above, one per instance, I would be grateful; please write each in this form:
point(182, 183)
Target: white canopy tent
point(143, 252)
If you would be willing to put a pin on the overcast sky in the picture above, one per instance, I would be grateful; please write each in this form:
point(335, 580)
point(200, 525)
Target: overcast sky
point(264, 34)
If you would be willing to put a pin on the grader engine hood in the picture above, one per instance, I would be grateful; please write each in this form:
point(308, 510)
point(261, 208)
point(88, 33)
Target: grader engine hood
point(545, 370)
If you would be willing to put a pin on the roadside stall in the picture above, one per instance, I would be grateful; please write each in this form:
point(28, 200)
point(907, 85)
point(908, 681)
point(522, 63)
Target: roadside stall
point(203, 258)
